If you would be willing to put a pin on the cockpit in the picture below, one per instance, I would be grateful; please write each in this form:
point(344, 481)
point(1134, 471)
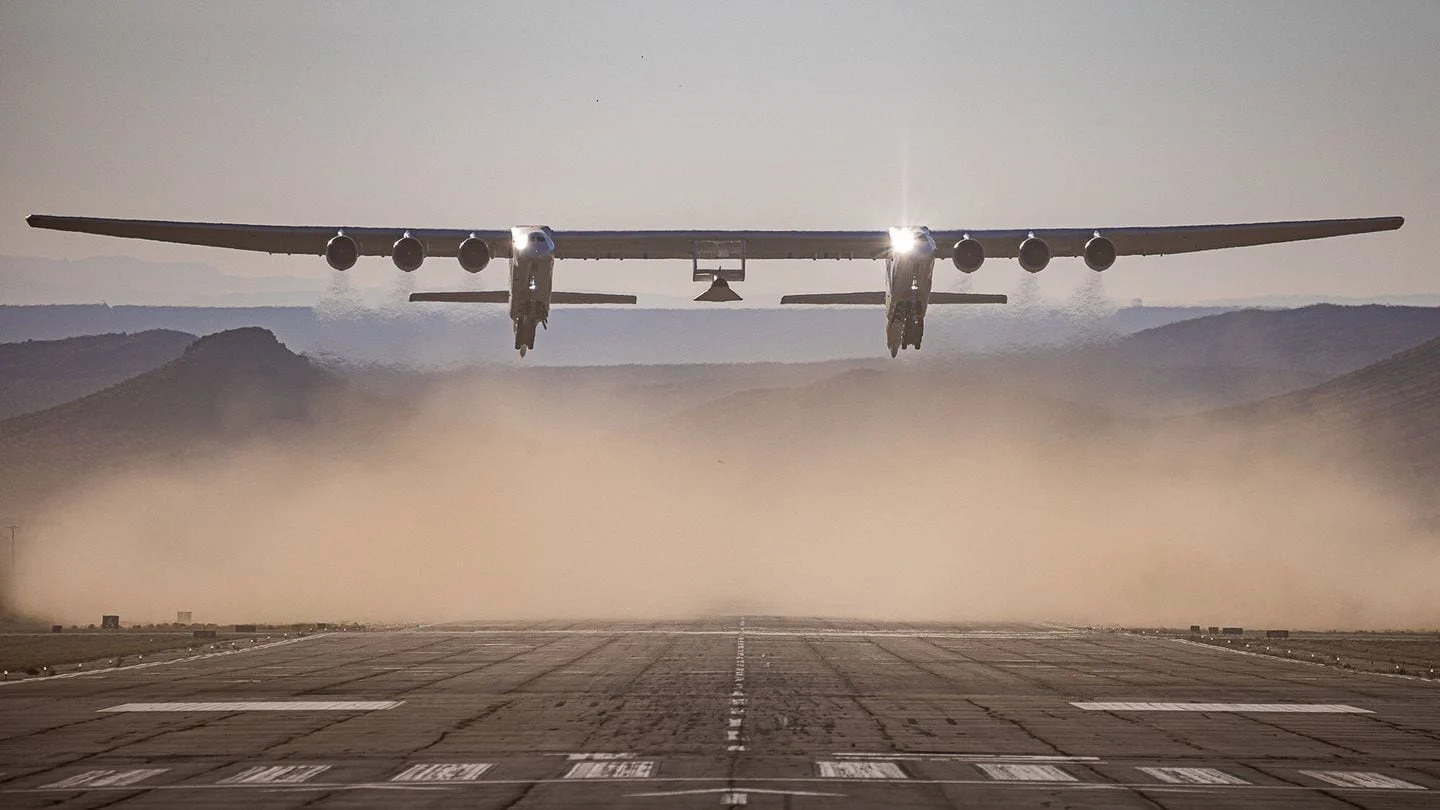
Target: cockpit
point(537, 238)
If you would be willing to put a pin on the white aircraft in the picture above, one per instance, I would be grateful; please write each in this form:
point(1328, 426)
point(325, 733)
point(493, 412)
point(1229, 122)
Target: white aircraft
point(719, 256)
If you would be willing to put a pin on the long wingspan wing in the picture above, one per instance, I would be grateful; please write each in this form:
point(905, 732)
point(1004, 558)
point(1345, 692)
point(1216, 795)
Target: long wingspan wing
point(308, 239)
point(1160, 241)
point(300, 239)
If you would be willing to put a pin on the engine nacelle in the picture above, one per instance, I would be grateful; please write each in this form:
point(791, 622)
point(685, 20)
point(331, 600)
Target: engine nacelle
point(1099, 253)
point(341, 252)
point(969, 255)
point(473, 254)
point(408, 253)
point(1034, 254)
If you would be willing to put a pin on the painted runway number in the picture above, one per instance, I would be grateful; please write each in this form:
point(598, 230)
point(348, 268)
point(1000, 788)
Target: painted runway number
point(95, 779)
point(1194, 776)
point(1362, 779)
point(860, 770)
point(275, 775)
point(443, 772)
point(640, 769)
point(1025, 773)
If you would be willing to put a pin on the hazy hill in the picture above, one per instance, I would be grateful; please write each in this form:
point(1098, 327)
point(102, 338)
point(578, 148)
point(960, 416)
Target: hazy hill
point(1386, 415)
point(1225, 359)
point(1322, 339)
point(38, 374)
point(223, 387)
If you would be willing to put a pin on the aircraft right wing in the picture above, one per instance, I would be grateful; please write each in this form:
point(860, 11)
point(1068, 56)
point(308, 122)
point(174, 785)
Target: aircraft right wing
point(1163, 240)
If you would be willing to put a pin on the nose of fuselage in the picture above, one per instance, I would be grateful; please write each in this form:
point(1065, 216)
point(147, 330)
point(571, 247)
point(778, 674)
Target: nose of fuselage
point(531, 243)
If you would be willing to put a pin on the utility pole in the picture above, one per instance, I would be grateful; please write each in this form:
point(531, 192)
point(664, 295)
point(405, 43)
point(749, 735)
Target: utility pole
point(12, 527)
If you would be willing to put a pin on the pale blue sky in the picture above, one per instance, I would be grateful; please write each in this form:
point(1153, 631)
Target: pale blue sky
point(738, 114)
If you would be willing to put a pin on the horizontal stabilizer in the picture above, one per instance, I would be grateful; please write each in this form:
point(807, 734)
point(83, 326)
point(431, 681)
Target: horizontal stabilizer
point(966, 298)
point(879, 298)
point(503, 297)
point(590, 298)
point(835, 298)
point(467, 297)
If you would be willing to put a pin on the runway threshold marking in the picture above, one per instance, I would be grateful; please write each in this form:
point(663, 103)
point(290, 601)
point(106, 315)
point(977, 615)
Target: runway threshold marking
point(1007, 772)
point(1363, 779)
point(860, 770)
point(443, 772)
point(105, 778)
point(1193, 776)
point(275, 775)
point(1251, 708)
point(261, 706)
point(633, 769)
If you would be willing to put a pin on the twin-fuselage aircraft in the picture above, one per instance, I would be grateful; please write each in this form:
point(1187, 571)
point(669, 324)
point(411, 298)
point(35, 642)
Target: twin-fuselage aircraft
point(719, 257)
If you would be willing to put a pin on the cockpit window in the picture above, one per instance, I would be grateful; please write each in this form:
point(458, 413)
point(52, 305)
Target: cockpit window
point(537, 238)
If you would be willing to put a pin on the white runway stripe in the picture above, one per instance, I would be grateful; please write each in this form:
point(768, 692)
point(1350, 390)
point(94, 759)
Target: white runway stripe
point(443, 772)
point(1362, 779)
point(860, 770)
point(275, 775)
point(1304, 708)
point(1194, 776)
point(261, 706)
point(107, 778)
point(1025, 773)
point(612, 770)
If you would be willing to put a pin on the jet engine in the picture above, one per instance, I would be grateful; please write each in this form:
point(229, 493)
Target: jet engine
point(969, 255)
point(408, 253)
point(1034, 254)
point(473, 254)
point(341, 252)
point(1099, 253)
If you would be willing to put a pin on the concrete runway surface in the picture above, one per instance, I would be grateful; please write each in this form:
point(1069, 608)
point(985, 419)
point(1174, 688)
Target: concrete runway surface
point(734, 711)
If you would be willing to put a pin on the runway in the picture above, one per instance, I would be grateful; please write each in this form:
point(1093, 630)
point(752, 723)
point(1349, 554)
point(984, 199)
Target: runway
point(731, 711)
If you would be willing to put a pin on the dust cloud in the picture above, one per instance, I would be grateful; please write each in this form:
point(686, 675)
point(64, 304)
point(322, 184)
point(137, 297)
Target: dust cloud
point(896, 494)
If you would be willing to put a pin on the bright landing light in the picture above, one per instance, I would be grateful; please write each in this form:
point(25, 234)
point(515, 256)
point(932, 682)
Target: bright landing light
point(903, 240)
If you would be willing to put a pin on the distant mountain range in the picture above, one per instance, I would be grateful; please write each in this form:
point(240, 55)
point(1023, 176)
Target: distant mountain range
point(38, 374)
point(245, 383)
point(222, 388)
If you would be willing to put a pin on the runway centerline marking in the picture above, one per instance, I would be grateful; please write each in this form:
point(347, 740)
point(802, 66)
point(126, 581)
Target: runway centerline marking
point(598, 756)
point(1193, 776)
point(443, 772)
point(261, 706)
point(851, 769)
point(1363, 779)
point(632, 769)
point(1005, 772)
point(1251, 708)
point(275, 775)
point(105, 778)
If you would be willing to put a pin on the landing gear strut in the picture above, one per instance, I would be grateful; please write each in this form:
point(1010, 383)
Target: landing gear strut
point(525, 334)
point(903, 333)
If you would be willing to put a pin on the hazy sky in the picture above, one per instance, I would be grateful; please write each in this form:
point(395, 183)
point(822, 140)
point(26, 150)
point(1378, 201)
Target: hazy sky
point(738, 114)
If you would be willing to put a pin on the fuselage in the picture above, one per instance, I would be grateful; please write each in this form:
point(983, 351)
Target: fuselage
point(532, 273)
point(909, 271)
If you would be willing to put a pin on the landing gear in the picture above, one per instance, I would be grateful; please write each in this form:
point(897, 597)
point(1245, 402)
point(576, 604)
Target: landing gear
point(904, 333)
point(525, 334)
